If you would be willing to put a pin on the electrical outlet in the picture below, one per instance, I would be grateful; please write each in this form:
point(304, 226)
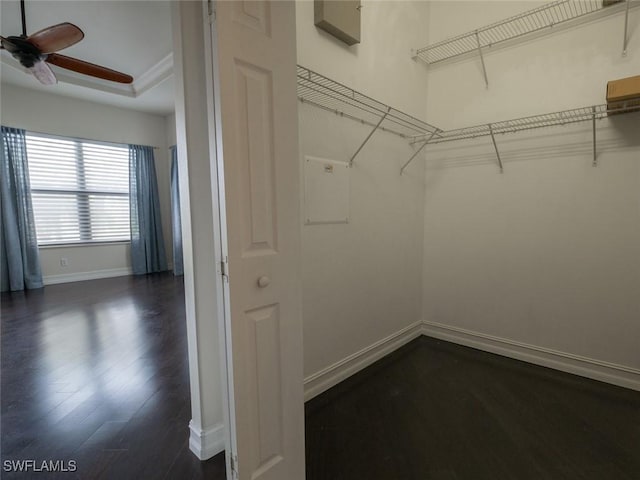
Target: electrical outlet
point(64, 261)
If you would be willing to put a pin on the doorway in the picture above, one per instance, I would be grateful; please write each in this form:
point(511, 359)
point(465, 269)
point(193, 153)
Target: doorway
point(243, 201)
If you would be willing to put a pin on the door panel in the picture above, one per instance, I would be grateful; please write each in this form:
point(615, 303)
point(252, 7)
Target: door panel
point(253, 14)
point(254, 127)
point(267, 407)
point(256, 124)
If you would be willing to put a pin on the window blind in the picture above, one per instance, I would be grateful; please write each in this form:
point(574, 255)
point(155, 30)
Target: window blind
point(79, 190)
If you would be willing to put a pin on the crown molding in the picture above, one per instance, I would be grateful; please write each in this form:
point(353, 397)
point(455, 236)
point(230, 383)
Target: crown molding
point(155, 75)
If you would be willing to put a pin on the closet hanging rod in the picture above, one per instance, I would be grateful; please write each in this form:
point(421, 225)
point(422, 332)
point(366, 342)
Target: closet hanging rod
point(531, 21)
point(533, 122)
point(356, 119)
point(330, 95)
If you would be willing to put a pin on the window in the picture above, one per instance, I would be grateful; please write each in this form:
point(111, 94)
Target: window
point(79, 190)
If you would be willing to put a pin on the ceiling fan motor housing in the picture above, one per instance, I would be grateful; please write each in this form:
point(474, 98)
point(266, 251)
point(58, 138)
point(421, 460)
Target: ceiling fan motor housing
point(23, 51)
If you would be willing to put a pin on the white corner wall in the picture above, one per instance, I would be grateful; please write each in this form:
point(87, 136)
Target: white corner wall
point(362, 280)
point(170, 121)
point(58, 115)
point(543, 262)
point(381, 65)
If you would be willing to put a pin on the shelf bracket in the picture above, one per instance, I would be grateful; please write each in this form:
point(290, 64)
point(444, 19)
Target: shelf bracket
point(593, 123)
point(484, 68)
point(415, 154)
point(493, 139)
point(625, 42)
point(369, 136)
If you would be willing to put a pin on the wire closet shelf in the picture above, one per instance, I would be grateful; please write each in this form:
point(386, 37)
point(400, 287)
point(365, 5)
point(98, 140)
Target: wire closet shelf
point(533, 122)
point(531, 21)
point(335, 97)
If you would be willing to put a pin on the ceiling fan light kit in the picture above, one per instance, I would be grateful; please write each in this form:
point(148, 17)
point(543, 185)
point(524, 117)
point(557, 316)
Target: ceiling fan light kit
point(42, 72)
point(34, 50)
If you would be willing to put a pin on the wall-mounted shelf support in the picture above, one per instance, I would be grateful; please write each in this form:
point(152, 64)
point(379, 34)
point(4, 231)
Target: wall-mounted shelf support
point(368, 137)
point(484, 68)
point(625, 42)
point(415, 154)
point(593, 125)
point(495, 146)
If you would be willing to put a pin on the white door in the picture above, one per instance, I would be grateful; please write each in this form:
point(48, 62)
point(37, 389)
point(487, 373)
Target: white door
point(257, 139)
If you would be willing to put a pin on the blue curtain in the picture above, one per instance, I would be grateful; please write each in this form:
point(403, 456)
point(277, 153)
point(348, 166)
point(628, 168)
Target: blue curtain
point(19, 257)
point(147, 243)
point(176, 219)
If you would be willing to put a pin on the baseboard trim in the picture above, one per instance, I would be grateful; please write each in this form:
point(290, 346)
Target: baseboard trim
point(206, 443)
point(586, 367)
point(83, 276)
point(330, 376)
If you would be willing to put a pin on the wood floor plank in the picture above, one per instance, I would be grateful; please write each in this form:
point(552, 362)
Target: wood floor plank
point(434, 410)
point(97, 372)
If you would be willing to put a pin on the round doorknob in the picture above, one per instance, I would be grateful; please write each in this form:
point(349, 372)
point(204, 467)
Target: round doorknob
point(263, 281)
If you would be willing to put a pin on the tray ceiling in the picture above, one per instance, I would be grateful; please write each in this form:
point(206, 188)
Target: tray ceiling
point(130, 36)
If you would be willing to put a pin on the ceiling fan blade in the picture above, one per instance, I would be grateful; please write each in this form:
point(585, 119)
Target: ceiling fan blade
point(56, 37)
point(87, 68)
point(6, 41)
point(43, 73)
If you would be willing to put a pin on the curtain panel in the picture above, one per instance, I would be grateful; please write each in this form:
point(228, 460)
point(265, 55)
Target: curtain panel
point(176, 218)
point(19, 256)
point(147, 242)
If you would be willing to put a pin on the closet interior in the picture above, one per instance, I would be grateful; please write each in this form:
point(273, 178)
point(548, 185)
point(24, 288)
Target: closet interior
point(420, 237)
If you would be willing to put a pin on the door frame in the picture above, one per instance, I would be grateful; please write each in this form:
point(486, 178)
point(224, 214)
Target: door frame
point(223, 314)
point(221, 289)
point(202, 381)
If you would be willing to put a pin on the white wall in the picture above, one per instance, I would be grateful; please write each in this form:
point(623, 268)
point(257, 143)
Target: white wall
point(170, 121)
point(547, 254)
point(362, 280)
point(58, 115)
point(381, 65)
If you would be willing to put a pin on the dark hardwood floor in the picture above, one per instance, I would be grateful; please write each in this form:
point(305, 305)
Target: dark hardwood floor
point(434, 410)
point(96, 372)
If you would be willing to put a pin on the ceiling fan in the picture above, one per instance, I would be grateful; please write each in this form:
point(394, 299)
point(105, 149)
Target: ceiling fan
point(35, 51)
